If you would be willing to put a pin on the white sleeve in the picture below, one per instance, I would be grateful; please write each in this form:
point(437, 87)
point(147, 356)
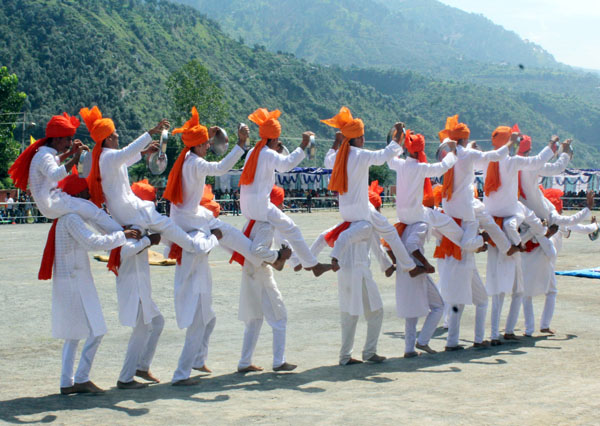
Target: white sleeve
point(381, 256)
point(553, 169)
point(133, 247)
point(205, 242)
point(329, 159)
point(395, 163)
point(90, 240)
point(285, 163)
point(50, 168)
point(483, 158)
point(131, 153)
point(438, 169)
point(532, 163)
point(377, 158)
point(218, 168)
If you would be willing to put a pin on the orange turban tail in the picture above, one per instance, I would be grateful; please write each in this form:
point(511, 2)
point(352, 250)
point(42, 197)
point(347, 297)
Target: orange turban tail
point(375, 194)
point(492, 179)
point(351, 128)
point(277, 195)
point(268, 128)
point(59, 126)
point(454, 130)
point(99, 128)
point(208, 201)
point(193, 134)
point(144, 190)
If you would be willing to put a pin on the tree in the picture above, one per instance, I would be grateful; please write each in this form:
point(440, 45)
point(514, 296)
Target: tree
point(11, 102)
point(192, 85)
point(381, 173)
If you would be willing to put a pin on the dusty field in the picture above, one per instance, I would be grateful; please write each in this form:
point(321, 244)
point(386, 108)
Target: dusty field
point(545, 380)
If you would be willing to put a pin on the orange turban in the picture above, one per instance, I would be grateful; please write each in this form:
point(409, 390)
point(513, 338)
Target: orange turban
point(99, 128)
point(193, 134)
point(492, 179)
point(375, 194)
point(524, 145)
point(277, 195)
point(59, 126)
point(351, 128)
point(208, 201)
point(144, 190)
point(554, 196)
point(268, 128)
point(454, 130)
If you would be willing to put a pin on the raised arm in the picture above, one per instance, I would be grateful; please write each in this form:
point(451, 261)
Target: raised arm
point(51, 169)
point(438, 169)
point(377, 158)
point(552, 169)
point(483, 158)
point(532, 163)
point(218, 168)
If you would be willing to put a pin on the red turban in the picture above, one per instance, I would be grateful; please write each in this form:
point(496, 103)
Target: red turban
point(374, 194)
point(454, 130)
point(416, 143)
point(59, 126)
point(554, 196)
point(193, 134)
point(208, 201)
point(268, 128)
point(525, 145)
point(277, 195)
point(144, 190)
point(99, 128)
point(72, 185)
point(492, 179)
point(351, 128)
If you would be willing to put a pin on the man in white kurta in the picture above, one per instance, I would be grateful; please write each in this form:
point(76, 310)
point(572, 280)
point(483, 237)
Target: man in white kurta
point(504, 274)
point(350, 178)
point(39, 166)
point(410, 175)
point(539, 260)
point(358, 292)
point(109, 179)
point(190, 174)
point(258, 178)
point(193, 306)
point(76, 309)
point(260, 298)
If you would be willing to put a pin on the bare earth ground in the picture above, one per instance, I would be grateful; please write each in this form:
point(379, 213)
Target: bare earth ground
point(545, 380)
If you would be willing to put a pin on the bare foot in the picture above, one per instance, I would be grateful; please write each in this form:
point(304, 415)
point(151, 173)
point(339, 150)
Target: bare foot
point(251, 368)
point(320, 268)
point(416, 271)
point(298, 268)
point(147, 375)
point(547, 331)
point(512, 250)
point(481, 249)
point(429, 269)
point(204, 369)
point(284, 254)
point(389, 271)
point(190, 381)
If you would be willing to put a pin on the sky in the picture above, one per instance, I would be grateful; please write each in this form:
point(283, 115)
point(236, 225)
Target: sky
point(569, 30)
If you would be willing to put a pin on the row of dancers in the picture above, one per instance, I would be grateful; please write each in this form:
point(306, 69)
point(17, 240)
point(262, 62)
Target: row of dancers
point(517, 224)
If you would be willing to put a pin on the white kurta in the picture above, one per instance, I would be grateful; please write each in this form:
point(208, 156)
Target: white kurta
point(354, 204)
point(122, 203)
point(255, 199)
point(459, 277)
point(534, 199)
point(459, 206)
point(193, 281)
point(190, 215)
point(538, 267)
point(259, 281)
point(134, 288)
point(75, 304)
point(355, 269)
point(411, 293)
point(410, 175)
point(504, 201)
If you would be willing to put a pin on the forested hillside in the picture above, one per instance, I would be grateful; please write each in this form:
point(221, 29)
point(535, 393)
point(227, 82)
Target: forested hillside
point(119, 54)
point(425, 36)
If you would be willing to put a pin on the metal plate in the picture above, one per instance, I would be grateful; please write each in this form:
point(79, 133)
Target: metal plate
point(442, 151)
point(85, 164)
point(219, 142)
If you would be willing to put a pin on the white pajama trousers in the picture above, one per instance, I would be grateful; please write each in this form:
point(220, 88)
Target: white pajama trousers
point(86, 209)
point(252, 331)
point(168, 229)
point(487, 223)
point(547, 313)
point(195, 348)
point(88, 353)
point(349, 322)
point(142, 346)
point(290, 231)
point(436, 308)
point(454, 315)
point(513, 313)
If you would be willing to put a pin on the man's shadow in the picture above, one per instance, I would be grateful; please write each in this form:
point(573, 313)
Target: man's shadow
point(13, 410)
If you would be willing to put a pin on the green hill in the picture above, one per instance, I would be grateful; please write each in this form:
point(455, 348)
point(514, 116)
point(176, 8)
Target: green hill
point(118, 55)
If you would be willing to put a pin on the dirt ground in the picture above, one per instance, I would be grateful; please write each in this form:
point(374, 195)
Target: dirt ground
point(544, 380)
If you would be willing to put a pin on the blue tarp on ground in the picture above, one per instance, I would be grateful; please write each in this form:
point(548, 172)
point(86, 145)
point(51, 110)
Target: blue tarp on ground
point(582, 273)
